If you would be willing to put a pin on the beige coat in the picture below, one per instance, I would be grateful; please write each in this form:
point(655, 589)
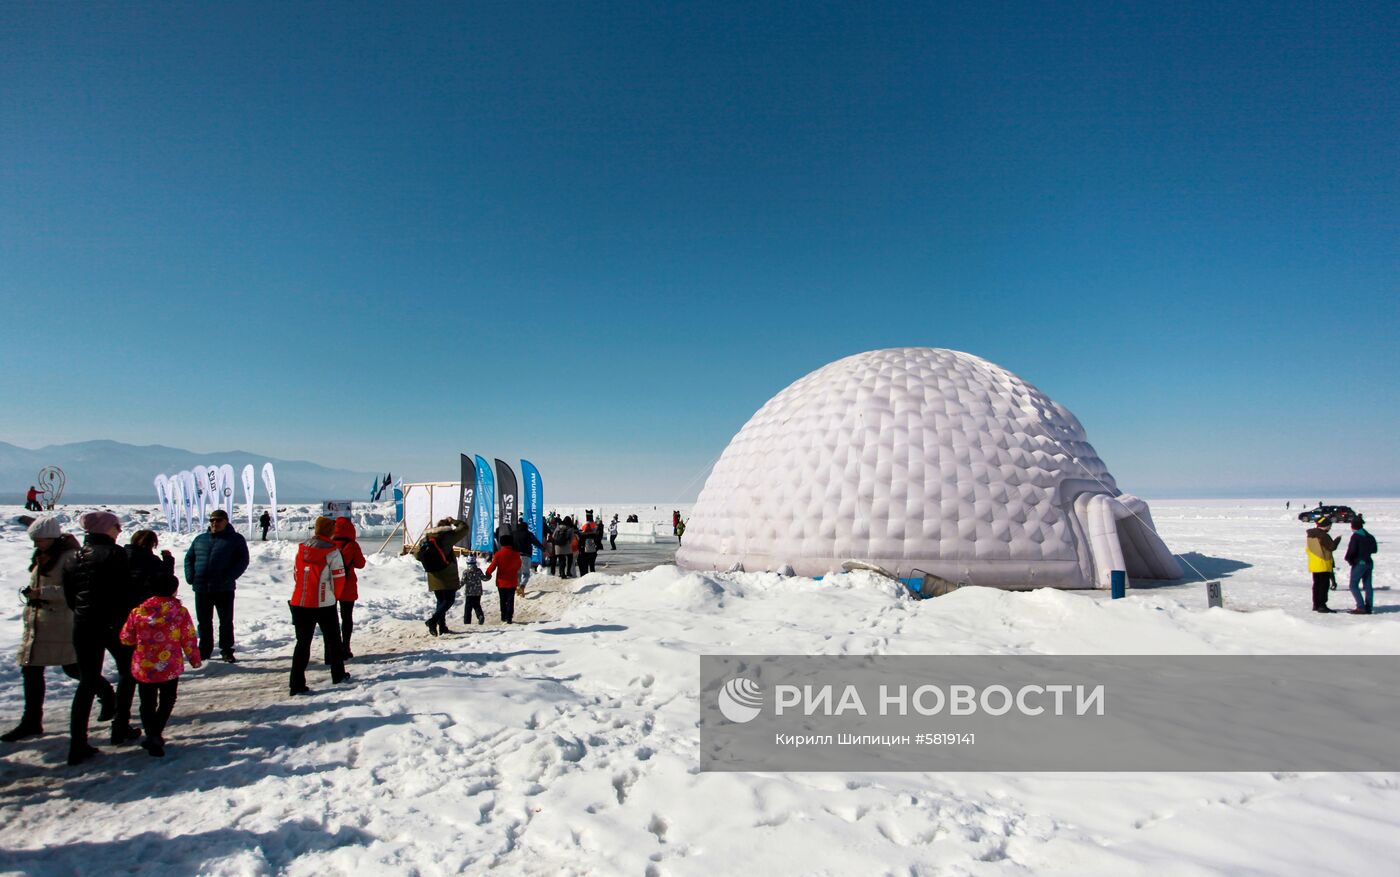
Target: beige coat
point(48, 629)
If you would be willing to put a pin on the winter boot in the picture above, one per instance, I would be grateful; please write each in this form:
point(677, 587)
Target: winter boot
point(80, 752)
point(108, 710)
point(26, 728)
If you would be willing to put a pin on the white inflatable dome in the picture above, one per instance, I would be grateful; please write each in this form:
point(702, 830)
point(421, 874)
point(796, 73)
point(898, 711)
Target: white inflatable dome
point(921, 460)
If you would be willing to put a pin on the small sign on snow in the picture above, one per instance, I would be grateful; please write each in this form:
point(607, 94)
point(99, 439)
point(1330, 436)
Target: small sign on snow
point(1213, 595)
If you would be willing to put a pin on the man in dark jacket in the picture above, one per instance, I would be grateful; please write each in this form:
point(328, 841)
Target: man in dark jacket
point(1360, 552)
point(100, 591)
point(265, 521)
point(212, 566)
point(525, 543)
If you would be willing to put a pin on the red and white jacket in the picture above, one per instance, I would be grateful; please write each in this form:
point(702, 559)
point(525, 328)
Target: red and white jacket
point(318, 575)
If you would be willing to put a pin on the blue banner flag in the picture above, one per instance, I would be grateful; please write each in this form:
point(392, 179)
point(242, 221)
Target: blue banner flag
point(484, 522)
point(398, 500)
point(532, 505)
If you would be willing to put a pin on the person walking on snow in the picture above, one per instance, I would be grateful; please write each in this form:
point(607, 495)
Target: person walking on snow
point(100, 592)
point(216, 559)
point(1319, 549)
point(440, 561)
point(680, 530)
point(318, 576)
point(354, 557)
point(612, 533)
point(506, 565)
point(525, 542)
point(163, 636)
point(563, 538)
point(471, 592)
point(590, 540)
point(1360, 552)
point(48, 622)
point(265, 521)
point(31, 500)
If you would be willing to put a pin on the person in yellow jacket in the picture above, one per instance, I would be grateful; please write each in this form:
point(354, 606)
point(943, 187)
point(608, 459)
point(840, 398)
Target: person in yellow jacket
point(1320, 563)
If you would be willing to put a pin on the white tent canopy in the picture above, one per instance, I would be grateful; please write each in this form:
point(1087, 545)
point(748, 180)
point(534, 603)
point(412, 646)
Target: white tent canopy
point(427, 502)
point(921, 459)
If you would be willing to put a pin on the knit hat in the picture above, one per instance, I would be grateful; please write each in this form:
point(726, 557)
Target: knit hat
point(99, 522)
point(220, 514)
point(324, 526)
point(45, 527)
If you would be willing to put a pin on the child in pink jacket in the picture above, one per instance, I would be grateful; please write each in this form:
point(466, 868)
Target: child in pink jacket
point(164, 636)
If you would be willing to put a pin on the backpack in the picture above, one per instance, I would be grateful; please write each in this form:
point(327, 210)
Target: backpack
point(310, 566)
point(430, 554)
point(561, 537)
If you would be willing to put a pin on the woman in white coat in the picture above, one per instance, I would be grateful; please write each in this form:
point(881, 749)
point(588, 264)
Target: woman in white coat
point(48, 622)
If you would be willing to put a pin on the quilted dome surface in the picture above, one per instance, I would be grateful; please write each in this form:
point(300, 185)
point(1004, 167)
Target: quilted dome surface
point(908, 458)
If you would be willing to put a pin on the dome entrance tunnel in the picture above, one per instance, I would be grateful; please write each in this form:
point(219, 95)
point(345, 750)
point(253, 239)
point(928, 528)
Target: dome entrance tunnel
point(923, 459)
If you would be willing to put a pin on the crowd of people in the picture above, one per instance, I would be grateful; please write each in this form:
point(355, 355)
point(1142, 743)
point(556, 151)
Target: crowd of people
point(98, 598)
point(90, 600)
point(87, 601)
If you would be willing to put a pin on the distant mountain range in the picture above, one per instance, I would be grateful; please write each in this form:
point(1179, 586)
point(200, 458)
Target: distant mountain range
point(120, 472)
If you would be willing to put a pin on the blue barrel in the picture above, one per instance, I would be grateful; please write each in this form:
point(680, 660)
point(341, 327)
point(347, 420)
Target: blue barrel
point(1119, 580)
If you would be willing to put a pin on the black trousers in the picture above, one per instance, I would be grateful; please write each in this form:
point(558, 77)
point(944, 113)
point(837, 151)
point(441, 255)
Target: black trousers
point(473, 607)
point(264, 538)
point(34, 692)
point(347, 625)
point(204, 606)
point(92, 647)
point(613, 541)
point(507, 596)
point(157, 702)
point(1322, 583)
point(305, 620)
point(445, 599)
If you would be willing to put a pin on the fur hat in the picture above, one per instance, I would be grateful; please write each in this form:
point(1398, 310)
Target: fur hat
point(45, 527)
point(99, 522)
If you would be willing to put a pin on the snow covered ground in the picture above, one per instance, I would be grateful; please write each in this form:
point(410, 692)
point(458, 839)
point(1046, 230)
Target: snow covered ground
point(569, 745)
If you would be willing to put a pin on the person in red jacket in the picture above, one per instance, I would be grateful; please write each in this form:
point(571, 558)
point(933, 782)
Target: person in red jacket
point(354, 558)
point(319, 575)
point(506, 564)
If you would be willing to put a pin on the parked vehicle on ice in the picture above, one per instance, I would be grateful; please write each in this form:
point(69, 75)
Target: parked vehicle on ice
point(1338, 513)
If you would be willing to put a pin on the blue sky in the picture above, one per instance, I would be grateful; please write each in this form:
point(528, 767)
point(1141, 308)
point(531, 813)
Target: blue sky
point(600, 236)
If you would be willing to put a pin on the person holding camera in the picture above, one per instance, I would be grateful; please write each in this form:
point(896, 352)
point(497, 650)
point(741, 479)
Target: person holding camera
point(48, 622)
